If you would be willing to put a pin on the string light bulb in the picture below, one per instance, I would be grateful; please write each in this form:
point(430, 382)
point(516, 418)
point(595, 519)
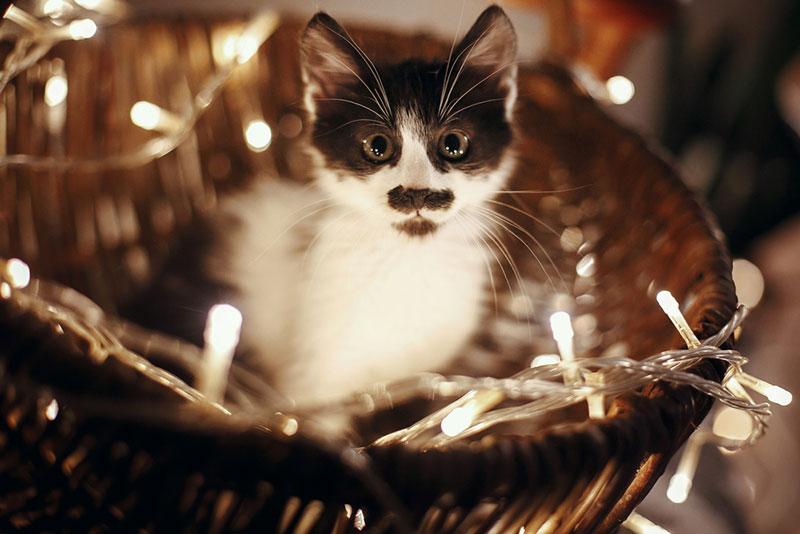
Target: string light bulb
point(18, 273)
point(55, 90)
point(673, 311)
point(221, 336)
point(258, 135)
point(149, 116)
point(82, 29)
point(620, 89)
point(561, 326)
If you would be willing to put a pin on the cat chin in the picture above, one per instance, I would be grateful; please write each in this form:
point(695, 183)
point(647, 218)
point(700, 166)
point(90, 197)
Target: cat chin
point(417, 226)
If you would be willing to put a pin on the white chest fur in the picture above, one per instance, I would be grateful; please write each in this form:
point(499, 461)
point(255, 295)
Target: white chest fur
point(363, 304)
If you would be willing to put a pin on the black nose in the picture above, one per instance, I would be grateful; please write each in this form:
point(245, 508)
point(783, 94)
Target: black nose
point(409, 200)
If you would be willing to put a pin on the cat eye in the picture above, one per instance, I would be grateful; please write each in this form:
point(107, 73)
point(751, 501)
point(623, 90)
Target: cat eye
point(377, 148)
point(453, 145)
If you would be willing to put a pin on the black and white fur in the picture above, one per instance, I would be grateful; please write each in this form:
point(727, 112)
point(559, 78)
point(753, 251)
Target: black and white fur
point(380, 269)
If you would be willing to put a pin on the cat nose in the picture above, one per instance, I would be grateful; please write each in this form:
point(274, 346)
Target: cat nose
point(408, 200)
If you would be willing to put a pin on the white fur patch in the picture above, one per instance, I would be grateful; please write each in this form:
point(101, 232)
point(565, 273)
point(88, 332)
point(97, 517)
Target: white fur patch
point(337, 299)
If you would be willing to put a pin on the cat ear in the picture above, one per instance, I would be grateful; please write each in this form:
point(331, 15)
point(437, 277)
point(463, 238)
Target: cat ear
point(329, 59)
point(491, 46)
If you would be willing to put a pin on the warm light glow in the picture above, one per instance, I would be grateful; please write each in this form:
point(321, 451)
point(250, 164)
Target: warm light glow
point(51, 412)
point(89, 4)
point(146, 115)
point(673, 311)
point(18, 272)
point(82, 29)
point(733, 424)
point(360, 521)
point(545, 359)
point(54, 8)
point(246, 47)
point(5, 290)
point(779, 395)
point(561, 324)
point(290, 426)
point(772, 392)
point(679, 487)
point(457, 421)
point(620, 89)
point(596, 401)
point(221, 336)
point(668, 303)
point(55, 90)
point(749, 282)
point(223, 326)
point(258, 135)
point(638, 524)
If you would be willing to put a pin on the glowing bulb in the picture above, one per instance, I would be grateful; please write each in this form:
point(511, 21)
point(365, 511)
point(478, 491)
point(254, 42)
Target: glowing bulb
point(82, 29)
point(457, 421)
point(258, 135)
point(290, 426)
point(779, 395)
point(772, 392)
point(146, 115)
point(638, 524)
point(55, 90)
point(89, 4)
point(360, 521)
point(51, 412)
point(679, 487)
point(620, 89)
point(223, 326)
point(749, 282)
point(730, 423)
point(246, 47)
point(545, 359)
point(229, 47)
point(54, 8)
point(5, 290)
point(561, 324)
point(673, 311)
point(668, 303)
point(18, 272)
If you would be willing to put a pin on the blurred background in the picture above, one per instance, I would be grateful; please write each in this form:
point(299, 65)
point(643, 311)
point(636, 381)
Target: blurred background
point(716, 83)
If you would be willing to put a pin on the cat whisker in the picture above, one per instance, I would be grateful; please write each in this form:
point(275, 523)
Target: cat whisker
point(526, 214)
point(347, 38)
point(458, 219)
point(377, 114)
point(468, 50)
point(452, 116)
point(449, 58)
point(515, 270)
point(327, 203)
point(368, 121)
point(504, 221)
point(372, 94)
point(479, 82)
point(542, 191)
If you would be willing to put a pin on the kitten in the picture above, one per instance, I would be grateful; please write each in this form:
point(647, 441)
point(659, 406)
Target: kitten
point(376, 271)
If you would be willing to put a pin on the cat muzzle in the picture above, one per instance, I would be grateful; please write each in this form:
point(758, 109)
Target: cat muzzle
point(406, 200)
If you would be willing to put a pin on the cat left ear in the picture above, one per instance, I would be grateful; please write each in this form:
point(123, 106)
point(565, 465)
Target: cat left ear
point(491, 46)
point(329, 58)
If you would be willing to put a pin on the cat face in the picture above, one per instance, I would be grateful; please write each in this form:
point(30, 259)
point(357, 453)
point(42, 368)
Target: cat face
point(411, 144)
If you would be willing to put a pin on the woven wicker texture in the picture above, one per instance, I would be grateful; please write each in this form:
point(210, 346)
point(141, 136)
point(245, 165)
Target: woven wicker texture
point(132, 447)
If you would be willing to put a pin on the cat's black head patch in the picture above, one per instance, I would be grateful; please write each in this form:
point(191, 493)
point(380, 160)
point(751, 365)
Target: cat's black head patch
point(460, 106)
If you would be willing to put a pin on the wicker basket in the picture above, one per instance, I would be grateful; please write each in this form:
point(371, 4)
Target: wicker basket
point(127, 446)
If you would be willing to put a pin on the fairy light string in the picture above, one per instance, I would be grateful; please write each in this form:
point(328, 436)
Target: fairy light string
point(551, 383)
point(37, 38)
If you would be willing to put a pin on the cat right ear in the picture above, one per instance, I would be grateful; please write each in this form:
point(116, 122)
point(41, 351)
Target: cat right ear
point(329, 60)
